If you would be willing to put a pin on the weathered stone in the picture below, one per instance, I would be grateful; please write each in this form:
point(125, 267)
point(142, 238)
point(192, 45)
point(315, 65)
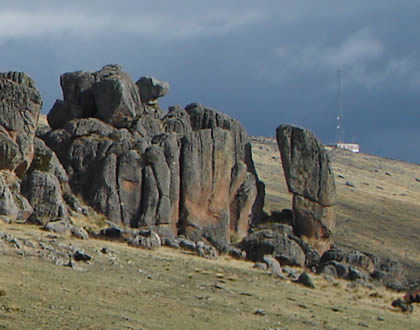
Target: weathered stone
point(45, 160)
point(306, 280)
point(156, 206)
point(80, 255)
point(401, 304)
point(357, 274)
point(359, 259)
point(60, 226)
point(329, 270)
point(20, 105)
point(89, 126)
point(79, 233)
point(177, 120)
point(313, 222)
point(63, 112)
point(206, 251)
point(273, 264)
point(13, 206)
point(77, 91)
point(261, 266)
point(197, 178)
point(202, 117)
point(342, 269)
point(102, 192)
point(116, 97)
point(151, 89)
point(333, 255)
point(278, 244)
point(146, 239)
point(306, 165)
point(312, 257)
point(44, 193)
point(206, 164)
point(310, 178)
point(187, 244)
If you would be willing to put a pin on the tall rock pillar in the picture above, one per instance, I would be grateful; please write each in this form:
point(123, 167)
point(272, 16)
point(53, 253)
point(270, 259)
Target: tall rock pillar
point(310, 178)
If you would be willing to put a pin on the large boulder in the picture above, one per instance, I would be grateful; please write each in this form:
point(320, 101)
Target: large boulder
point(44, 193)
point(20, 105)
point(151, 88)
point(206, 165)
point(278, 242)
point(310, 178)
point(13, 206)
point(189, 172)
point(108, 94)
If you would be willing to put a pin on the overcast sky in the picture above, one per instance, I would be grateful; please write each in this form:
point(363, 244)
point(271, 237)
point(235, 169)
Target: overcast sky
point(263, 62)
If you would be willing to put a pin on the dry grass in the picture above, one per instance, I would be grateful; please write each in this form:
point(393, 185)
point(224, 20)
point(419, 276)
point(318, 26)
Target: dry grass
point(168, 289)
point(379, 214)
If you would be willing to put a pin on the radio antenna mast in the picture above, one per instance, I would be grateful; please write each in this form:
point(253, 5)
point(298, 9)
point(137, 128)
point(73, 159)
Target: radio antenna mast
point(340, 128)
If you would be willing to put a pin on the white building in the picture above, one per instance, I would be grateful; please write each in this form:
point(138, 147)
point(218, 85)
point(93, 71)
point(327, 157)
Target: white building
point(349, 146)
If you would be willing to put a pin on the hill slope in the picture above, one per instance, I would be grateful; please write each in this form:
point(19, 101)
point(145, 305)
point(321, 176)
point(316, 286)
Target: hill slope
point(378, 200)
point(125, 287)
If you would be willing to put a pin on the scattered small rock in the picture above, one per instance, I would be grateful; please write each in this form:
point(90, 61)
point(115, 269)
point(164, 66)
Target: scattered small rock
point(306, 280)
point(379, 318)
point(59, 226)
point(260, 312)
point(79, 233)
point(81, 256)
point(363, 324)
point(73, 265)
point(379, 187)
point(350, 184)
point(388, 173)
point(206, 251)
point(187, 244)
point(273, 264)
point(106, 250)
point(261, 266)
point(170, 242)
point(2, 292)
point(405, 307)
point(417, 179)
point(218, 286)
point(340, 176)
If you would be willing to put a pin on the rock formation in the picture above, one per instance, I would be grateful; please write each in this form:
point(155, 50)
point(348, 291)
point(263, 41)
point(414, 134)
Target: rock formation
point(188, 172)
point(20, 105)
point(310, 178)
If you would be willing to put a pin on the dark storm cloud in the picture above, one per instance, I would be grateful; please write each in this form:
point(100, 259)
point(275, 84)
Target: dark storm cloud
point(264, 62)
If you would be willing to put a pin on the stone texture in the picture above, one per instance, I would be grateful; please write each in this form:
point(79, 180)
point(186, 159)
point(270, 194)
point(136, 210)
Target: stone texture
point(151, 88)
point(20, 105)
point(13, 206)
point(306, 165)
point(275, 242)
point(310, 178)
point(206, 164)
point(116, 97)
point(44, 193)
point(189, 172)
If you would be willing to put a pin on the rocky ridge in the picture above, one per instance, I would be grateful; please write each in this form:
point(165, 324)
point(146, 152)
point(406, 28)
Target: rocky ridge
point(184, 178)
point(189, 171)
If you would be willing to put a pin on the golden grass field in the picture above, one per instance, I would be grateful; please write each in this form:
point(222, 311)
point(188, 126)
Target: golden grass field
point(130, 288)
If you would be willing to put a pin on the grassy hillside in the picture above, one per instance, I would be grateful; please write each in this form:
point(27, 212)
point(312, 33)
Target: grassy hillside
point(129, 288)
point(378, 200)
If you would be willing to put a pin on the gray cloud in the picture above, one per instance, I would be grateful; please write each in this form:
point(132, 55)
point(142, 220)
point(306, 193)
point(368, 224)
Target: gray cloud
point(264, 62)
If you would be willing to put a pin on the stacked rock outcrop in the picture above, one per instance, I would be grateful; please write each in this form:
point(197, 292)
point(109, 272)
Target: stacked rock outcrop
point(20, 105)
point(310, 178)
point(188, 172)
